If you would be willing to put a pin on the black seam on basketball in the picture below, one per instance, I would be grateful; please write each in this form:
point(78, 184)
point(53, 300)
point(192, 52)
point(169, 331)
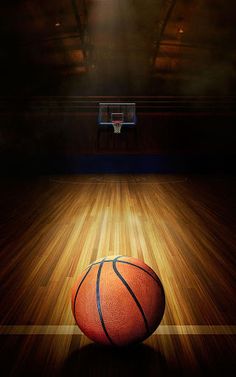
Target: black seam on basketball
point(157, 280)
point(76, 294)
point(104, 261)
point(98, 299)
point(141, 268)
point(131, 293)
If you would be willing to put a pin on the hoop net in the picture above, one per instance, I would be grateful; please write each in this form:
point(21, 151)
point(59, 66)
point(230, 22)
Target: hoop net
point(117, 127)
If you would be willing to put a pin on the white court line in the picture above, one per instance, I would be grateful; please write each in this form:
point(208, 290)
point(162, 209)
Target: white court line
point(162, 330)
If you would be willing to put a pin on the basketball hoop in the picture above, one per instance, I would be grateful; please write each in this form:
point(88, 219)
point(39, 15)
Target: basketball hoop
point(117, 127)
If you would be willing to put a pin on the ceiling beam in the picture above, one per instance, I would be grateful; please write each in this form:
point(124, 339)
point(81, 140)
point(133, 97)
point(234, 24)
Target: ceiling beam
point(170, 4)
point(77, 19)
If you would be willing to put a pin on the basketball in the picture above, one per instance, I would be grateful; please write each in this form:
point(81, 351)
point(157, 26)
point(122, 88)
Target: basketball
point(118, 301)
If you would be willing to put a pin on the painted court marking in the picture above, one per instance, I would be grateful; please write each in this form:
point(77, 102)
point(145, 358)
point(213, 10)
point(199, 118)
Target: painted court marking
point(162, 330)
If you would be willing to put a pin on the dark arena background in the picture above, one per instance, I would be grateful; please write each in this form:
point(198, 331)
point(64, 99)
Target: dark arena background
point(73, 191)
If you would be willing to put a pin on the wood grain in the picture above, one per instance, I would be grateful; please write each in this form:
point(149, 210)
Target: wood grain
point(183, 227)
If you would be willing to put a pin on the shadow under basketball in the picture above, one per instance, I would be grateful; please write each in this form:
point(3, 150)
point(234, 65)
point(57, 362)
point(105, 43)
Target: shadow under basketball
point(93, 359)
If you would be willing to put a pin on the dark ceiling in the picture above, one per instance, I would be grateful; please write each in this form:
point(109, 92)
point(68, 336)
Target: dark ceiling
point(98, 47)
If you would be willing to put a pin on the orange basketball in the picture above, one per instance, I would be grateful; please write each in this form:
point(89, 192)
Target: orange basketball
point(118, 301)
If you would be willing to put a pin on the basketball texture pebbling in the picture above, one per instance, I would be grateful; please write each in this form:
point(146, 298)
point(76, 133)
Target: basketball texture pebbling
point(118, 301)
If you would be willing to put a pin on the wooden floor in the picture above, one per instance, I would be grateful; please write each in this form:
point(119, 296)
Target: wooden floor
point(53, 227)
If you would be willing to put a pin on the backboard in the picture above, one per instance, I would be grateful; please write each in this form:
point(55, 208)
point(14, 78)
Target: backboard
point(124, 113)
